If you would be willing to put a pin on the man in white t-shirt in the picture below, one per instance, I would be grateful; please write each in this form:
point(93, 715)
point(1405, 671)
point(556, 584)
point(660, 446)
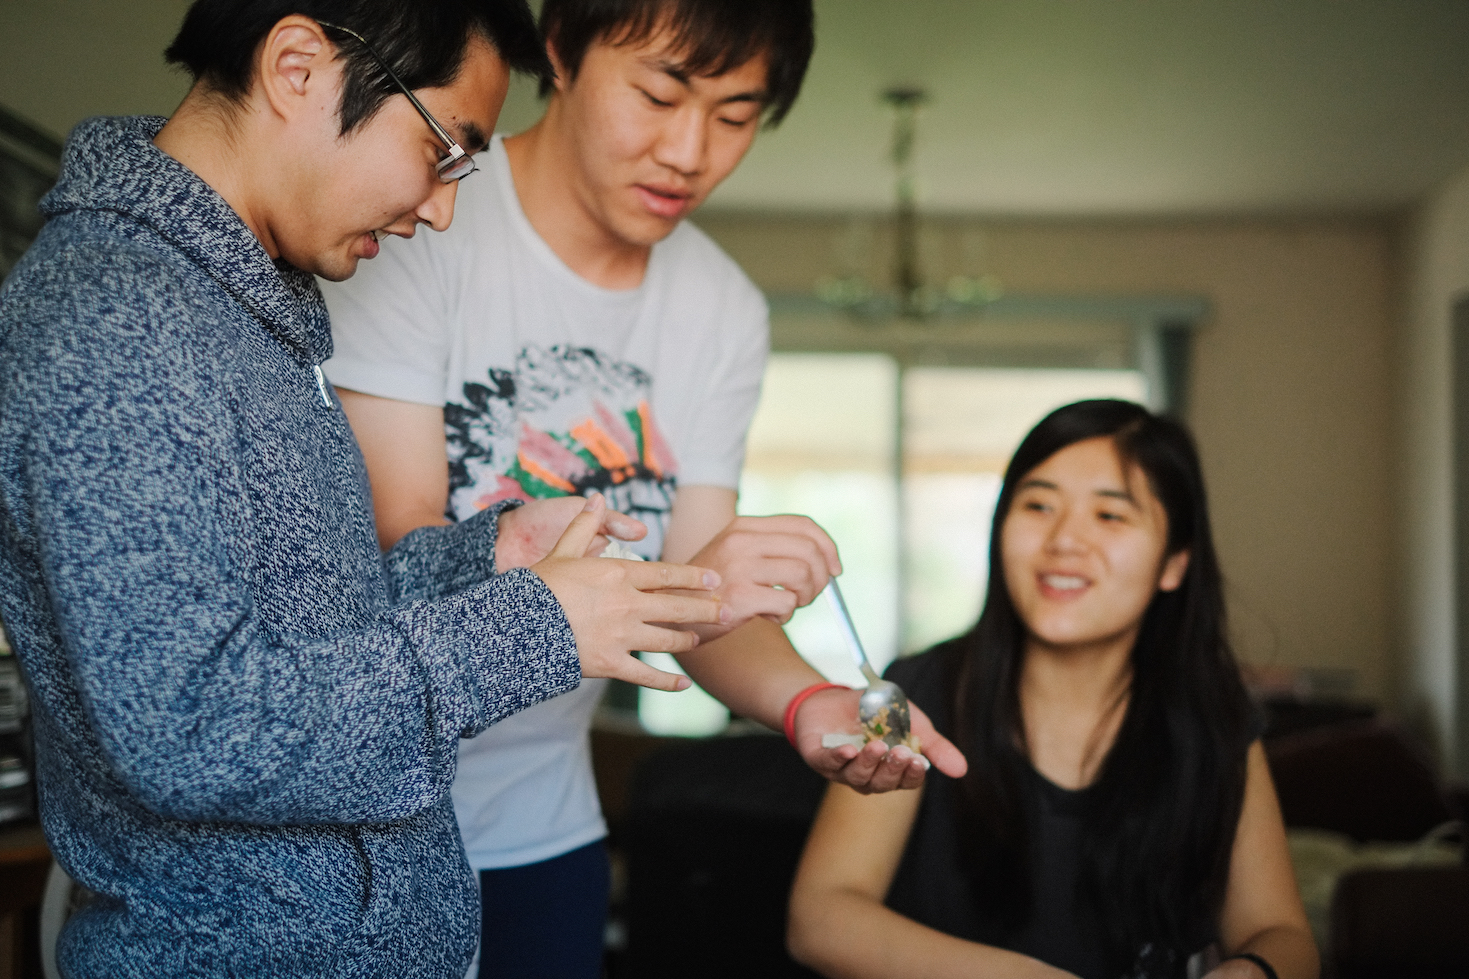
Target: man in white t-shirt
point(570, 334)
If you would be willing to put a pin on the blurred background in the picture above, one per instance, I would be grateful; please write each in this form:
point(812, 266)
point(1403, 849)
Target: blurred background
point(1254, 215)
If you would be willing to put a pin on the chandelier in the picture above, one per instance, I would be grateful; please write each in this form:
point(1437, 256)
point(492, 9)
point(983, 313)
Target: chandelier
point(910, 296)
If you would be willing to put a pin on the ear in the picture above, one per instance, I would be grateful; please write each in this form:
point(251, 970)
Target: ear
point(559, 82)
point(1173, 571)
point(292, 63)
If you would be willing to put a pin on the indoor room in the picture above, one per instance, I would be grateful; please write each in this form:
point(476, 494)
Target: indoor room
point(1251, 218)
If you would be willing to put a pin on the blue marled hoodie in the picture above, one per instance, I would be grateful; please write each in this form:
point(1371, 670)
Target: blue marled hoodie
point(245, 715)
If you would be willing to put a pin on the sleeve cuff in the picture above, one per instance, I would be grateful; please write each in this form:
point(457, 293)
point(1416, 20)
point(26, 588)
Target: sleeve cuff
point(724, 476)
point(394, 381)
point(431, 562)
point(497, 648)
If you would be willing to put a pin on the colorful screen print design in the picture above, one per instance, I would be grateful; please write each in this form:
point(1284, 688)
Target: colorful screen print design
point(565, 421)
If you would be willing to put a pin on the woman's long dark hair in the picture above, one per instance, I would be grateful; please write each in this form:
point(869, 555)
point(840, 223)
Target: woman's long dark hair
point(1167, 797)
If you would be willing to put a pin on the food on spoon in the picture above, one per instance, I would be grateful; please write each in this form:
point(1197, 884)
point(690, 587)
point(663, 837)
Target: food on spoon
point(875, 729)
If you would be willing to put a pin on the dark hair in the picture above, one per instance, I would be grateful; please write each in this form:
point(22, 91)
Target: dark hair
point(1167, 798)
point(423, 40)
point(714, 36)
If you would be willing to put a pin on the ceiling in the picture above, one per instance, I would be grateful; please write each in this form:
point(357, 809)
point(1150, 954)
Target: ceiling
point(1121, 107)
point(1130, 106)
point(1038, 107)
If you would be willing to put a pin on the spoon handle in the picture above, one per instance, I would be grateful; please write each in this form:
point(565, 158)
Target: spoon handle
point(849, 632)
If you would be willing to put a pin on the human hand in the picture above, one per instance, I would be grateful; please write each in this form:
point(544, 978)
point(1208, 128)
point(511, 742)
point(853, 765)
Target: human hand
point(529, 532)
point(771, 566)
point(612, 605)
point(874, 767)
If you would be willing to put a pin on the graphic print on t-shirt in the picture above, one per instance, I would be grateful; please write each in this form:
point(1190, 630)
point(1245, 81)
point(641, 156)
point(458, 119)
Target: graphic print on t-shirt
point(565, 421)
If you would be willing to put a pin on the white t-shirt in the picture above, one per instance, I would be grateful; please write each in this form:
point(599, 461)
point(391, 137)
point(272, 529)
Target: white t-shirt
point(551, 385)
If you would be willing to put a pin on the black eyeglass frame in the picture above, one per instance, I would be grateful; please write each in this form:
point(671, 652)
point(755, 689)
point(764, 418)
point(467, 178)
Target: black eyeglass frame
point(458, 164)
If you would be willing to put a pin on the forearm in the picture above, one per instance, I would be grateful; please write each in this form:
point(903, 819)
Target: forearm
point(1262, 911)
point(845, 934)
point(1290, 950)
point(754, 671)
point(246, 727)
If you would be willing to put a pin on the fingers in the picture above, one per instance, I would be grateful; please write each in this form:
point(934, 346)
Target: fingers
point(614, 607)
point(754, 562)
point(938, 749)
point(780, 606)
point(634, 670)
point(798, 526)
point(792, 576)
point(741, 603)
point(661, 576)
point(878, 768)
point(660, 639)
point(873, 768)
point(578, 535)
point(623, 527)
point(699, 608)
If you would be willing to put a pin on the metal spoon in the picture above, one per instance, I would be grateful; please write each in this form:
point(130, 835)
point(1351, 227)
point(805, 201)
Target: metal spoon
point(883, 708)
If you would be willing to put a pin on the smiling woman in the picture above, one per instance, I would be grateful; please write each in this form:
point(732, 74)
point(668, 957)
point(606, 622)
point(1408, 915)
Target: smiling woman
point(1117, 818)
point(1082, 550)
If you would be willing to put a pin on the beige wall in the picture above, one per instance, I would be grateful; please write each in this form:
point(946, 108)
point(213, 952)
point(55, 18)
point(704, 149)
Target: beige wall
point(62, 61)
point(1291, 396)
point(1438, 257)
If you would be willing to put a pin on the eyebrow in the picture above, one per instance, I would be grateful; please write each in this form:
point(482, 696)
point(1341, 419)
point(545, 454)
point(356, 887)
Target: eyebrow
point(1108, 493)
point(471, 137)
point(681, 75)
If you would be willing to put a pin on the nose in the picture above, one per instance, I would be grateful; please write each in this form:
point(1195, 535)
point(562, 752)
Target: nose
point(437, 211)
point(684, 142)
point(1067, 532)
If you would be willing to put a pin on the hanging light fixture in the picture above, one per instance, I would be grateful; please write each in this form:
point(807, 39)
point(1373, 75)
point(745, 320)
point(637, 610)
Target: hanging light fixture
point(910, 298)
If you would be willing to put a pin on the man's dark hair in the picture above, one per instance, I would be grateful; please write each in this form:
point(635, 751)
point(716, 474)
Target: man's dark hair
point(713, 37)
point(423, 40)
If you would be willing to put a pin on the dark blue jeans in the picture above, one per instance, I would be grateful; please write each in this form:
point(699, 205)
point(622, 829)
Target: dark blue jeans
point(545, 920)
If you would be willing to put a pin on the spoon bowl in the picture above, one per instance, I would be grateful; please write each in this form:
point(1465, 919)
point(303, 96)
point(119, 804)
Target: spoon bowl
point(883, 711)
point(883, 707)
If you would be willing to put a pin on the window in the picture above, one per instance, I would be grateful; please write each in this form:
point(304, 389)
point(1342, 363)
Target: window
point(907, 494)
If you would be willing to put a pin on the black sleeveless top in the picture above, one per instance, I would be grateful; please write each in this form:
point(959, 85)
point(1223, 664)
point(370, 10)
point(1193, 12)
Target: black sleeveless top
point(1064, 926)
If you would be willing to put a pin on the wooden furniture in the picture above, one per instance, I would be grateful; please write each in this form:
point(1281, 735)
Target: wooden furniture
point(24, 863)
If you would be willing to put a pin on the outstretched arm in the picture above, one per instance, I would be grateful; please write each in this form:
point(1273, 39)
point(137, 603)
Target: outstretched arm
point(754, 669)
point(838, 924)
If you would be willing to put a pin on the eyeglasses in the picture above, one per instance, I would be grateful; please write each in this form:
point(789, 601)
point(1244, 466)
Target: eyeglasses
point(458, 164)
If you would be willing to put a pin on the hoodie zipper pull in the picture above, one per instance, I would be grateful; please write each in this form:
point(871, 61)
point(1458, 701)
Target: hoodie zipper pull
point(326, 397)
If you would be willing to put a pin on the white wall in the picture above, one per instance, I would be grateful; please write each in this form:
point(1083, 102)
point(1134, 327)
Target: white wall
point(1438, 273)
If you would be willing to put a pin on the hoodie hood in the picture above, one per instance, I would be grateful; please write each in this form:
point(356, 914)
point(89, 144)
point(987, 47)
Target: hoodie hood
point(111, 165)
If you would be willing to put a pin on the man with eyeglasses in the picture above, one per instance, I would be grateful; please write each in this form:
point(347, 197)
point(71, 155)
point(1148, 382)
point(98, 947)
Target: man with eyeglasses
point(246, 714)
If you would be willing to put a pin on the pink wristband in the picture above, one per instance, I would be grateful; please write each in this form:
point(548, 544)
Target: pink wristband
point(798, 700)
